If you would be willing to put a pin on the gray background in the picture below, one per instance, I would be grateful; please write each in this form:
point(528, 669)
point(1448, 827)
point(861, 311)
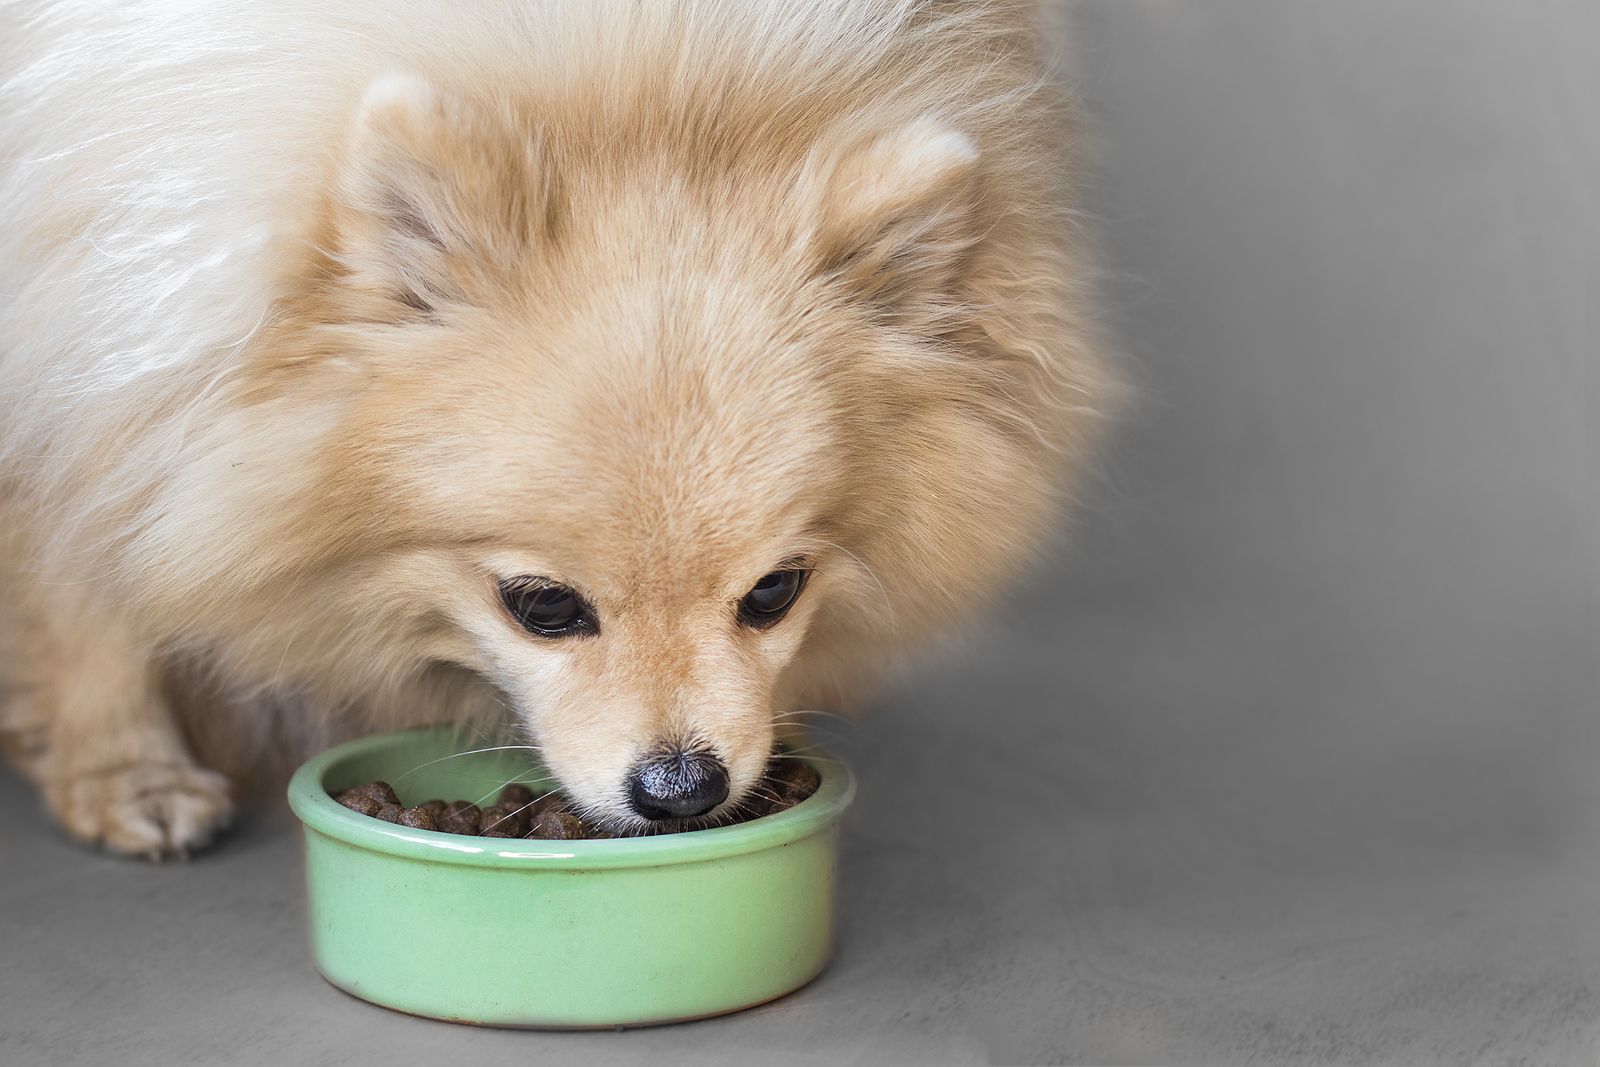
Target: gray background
point(1288, 761)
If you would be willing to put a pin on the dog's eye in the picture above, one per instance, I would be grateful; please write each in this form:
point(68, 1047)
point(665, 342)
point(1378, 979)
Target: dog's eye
point(771, 598)
point(542, 607)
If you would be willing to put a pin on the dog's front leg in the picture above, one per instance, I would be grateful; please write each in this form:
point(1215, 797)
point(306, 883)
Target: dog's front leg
point(115, 770)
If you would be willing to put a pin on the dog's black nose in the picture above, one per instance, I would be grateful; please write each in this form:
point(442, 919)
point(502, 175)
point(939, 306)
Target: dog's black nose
point(673, 784)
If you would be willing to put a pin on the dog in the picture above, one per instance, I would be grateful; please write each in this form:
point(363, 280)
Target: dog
point(633, 376)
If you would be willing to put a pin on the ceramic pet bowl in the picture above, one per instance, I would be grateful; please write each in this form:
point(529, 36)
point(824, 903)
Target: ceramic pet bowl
point(604, 933)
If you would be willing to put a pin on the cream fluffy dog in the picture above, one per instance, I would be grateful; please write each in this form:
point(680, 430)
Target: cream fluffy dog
point(638, 373)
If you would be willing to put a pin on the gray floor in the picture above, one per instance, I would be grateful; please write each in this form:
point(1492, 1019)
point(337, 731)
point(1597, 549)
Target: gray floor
point(1286, 761)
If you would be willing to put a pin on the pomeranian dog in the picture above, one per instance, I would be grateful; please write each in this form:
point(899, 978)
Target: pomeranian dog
point(631, 374)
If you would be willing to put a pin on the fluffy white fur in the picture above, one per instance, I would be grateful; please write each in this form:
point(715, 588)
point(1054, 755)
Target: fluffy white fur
point(253, 411)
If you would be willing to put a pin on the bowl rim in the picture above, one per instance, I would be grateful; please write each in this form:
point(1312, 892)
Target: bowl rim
point(319, 812)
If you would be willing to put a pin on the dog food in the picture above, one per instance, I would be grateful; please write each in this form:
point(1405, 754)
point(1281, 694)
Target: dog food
point(518, 813)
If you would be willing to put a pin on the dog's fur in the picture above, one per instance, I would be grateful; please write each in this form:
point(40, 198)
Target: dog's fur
point(317, 318)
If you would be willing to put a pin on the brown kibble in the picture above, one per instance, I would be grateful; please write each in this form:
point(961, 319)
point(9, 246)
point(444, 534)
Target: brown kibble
point(359, 800)
point(787, 783)
point(556, 826)
point(514, 796)
point(803, 786)
point(531, 803)
point(519, 813)
point(503, 817)
point(418, 818)
point(551, 801)
point(384, 793)
point(760, 802)
point(795, 780)
point(379, 791)
point(461, 817)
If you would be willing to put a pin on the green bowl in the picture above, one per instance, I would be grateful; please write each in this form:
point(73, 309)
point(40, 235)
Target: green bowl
point(560, 934)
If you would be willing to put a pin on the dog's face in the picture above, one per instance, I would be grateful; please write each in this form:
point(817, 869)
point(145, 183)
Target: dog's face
point(645, 482)
point(656, 453)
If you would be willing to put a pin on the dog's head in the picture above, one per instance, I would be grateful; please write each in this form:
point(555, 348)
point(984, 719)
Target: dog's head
point(662, 438)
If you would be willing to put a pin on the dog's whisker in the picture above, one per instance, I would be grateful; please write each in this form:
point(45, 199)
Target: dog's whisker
point(810, 722)
point(494, 791)
point(815, 711)
point(469, 752)
point(812, 732)
point(520, 810)
point(808, 757)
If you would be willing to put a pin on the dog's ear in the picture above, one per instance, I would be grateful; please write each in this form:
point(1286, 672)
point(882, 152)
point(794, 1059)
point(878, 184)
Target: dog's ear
point(435, 198)
point(897, 215)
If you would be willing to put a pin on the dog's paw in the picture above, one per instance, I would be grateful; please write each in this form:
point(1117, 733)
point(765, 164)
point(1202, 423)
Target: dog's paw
point(154, 810)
